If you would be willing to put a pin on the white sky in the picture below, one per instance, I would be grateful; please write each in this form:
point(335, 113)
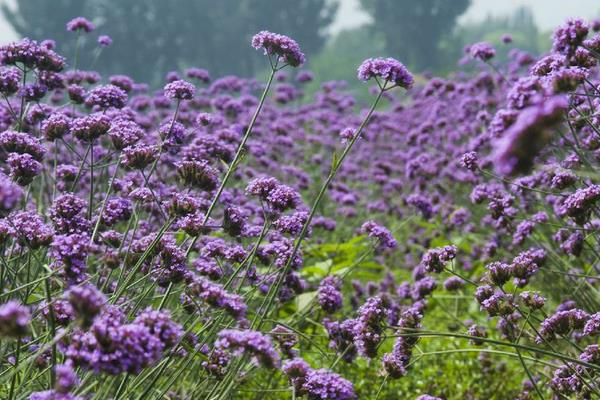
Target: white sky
point(547, 13)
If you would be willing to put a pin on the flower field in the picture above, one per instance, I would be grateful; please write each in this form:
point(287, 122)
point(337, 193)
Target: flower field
point(234, 238)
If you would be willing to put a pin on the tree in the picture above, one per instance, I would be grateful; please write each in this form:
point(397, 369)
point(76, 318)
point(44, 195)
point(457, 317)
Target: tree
point(412, 30)
point(152, 37)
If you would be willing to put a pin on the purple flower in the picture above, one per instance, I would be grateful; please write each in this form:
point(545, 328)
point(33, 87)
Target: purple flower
point(579, 204)
point(122, 81)
point(114, 346)
point(569, 36)
point(453, 284)
point(304, 77)
point(104, 40)
point(532, 300)
point(592, 326)
point(515, 151)
point(381, 233)
point(330, 297)
point(10, 79)
point(561, 323)
point(10, 194)
point(23, 168)
point(56, 126)
point(482, 51)
point(66, 379)
point(234, 221)
point(29, 229)
point(250, 342)
point(368, 327)
point(31, 54)
point(285, 48)
point(387, 69)
point(498, 273)
point(262, 187)
point(198, 174)
point(116, 209)
point(161, 325)
point(180, 90)
point(139, 156)
point(296, 370)
point(106, 96)
point(283, 198)
point(80, 24)
point(87, 301)
point(477, 331)
point(286, 339)
point(14, 319)
point(434, 260)
point(198, 73)
point(33, 91)
point(470, 161)
point(124, 133)
point(322, 384)
point(347, 134)
point(90, 127)
point(61, 310)
point(292, 224)
point(70, 252)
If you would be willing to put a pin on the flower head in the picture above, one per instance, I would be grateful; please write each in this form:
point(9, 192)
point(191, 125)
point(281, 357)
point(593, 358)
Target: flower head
point(180, 90)
point(388, 69)
point(282, 46)
point(80, 24)
point(14, 319)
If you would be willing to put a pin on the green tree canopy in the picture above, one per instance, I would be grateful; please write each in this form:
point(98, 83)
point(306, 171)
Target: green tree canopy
point(152, 37)
point(412, 30)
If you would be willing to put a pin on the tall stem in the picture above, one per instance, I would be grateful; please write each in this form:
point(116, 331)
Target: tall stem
point(110, 184)
point(13, 382)
point(238, 155)
point(315, 205)
point(91, 205)
point(52, 330)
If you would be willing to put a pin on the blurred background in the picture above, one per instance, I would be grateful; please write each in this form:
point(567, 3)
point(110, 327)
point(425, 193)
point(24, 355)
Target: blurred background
point(152, 37)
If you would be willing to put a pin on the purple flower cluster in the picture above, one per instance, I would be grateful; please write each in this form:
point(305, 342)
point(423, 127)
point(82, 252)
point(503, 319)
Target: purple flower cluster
point(14, 319)
point(386, 69)
point(114, 346)
point(330, 297)
point(250, 342)
point(320, 384)
point(382, 234)
point(285, 48)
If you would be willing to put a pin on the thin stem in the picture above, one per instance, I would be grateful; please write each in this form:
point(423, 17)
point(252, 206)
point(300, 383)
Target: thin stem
point(91, 205)
point(108, 189)
point(13, 382)
point(52, 330)
point(334, 169)
point(237, 157)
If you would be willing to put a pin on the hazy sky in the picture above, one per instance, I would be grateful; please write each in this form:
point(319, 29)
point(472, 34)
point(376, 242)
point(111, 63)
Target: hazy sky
point(547, 13)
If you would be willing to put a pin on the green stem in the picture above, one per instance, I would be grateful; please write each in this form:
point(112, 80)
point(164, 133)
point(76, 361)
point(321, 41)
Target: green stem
point(237, 157)
point(334, 169)
point(13, 382)
point(52, 330)
point(103, 207)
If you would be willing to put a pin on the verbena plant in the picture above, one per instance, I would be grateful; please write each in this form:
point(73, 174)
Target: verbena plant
point(218, 240)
